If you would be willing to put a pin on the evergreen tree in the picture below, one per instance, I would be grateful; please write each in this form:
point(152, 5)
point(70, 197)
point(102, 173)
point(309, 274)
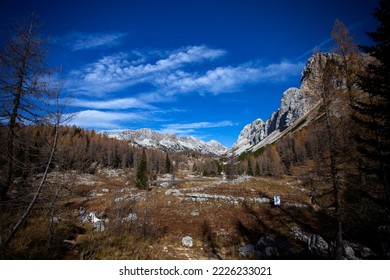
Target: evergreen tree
point(168, 165)
point(373, 109)
point(142, 173)
point(257, 169)
point(250, 169)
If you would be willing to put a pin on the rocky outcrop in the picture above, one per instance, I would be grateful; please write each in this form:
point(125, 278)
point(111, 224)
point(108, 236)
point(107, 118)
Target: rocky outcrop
point(97, 219)
point(294, 105)
point(266, 247)
point(291, 109)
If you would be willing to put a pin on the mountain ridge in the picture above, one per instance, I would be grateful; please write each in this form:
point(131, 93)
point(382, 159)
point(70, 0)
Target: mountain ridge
point(295, 105)
point(167, 142)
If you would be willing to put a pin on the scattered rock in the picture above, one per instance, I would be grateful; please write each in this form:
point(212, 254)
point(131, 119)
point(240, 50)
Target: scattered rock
point(267, 246)
point(297, 205)
point(265, 241)
point(205, 196)
point(55, 220)
point(349, 251)
point(83, 215)
point(101, 214)
point(113, 173)
point(98, 224)
point(317, 245)
point(164, 184)
point(105, 190)
point(261, 200)
point(82, 211)
point(132, 217)
point(354, 251)
point(173, 192)
point(366, 253)
point(222, 232)
point(96, 194)
point(93, 217)
point(300, 235)
point(165, 249)
point(195, 213)
point(270, 252)
point(248, 250)
point(187, 241)
point(119, 199)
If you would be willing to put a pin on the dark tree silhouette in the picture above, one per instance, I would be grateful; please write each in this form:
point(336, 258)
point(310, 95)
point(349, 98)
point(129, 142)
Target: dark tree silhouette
point(372, 112)
point(23, 86)
point(142, 173)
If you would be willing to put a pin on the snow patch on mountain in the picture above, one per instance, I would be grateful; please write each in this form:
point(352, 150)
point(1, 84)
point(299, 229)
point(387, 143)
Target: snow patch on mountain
point(169, 142)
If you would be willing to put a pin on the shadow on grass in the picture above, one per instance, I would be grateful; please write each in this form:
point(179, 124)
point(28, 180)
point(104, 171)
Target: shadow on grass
point(277, 223)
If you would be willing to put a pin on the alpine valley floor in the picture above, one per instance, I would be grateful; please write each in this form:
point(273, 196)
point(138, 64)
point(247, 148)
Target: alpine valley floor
point(101, 216)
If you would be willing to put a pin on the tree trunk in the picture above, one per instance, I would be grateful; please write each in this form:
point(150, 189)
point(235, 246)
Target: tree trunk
point(327, 90)
point(11, 130)
point(335, 184)
point(14, 230)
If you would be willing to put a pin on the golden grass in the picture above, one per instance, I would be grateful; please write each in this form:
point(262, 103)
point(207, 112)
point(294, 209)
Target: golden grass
point(219, 229)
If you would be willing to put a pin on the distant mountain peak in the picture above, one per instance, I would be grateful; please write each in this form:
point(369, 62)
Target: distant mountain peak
point(146, 137)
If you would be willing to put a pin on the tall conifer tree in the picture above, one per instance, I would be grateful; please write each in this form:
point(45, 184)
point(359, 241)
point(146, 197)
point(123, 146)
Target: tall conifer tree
point(142, 173)
point(372, 112)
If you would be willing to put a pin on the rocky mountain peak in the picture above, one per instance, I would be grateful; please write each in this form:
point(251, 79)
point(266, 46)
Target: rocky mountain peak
point(295, 103)
point(146, 137)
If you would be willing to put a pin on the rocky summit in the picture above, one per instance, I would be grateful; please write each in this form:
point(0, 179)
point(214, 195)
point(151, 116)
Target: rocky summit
point(295, 104)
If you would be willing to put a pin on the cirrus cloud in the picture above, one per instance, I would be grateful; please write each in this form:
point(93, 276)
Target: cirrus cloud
point(118, 71)
point(227, 79)
point(77, 41)
point(105, 120)
point(188, 128)
point(111, 104)
point(174, 74)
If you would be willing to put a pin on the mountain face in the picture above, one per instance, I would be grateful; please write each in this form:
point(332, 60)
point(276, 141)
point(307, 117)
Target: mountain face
point(170, 142)
point(294, 106)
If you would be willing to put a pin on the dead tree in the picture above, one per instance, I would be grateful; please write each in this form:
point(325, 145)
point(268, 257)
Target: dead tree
point(56, 118)
point(23, 95)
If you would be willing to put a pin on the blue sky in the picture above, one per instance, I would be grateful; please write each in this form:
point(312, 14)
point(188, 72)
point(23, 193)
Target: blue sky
point(201, 68)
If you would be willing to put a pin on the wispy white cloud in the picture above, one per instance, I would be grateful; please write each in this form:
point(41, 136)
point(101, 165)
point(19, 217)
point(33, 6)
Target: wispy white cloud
point(173, 73)
point(190, 128)
point(228, 79)
point(116, 72)
point(112, 104)
point(276, 72)
point(218, 80)
point(82, 41)
point(105, 120)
